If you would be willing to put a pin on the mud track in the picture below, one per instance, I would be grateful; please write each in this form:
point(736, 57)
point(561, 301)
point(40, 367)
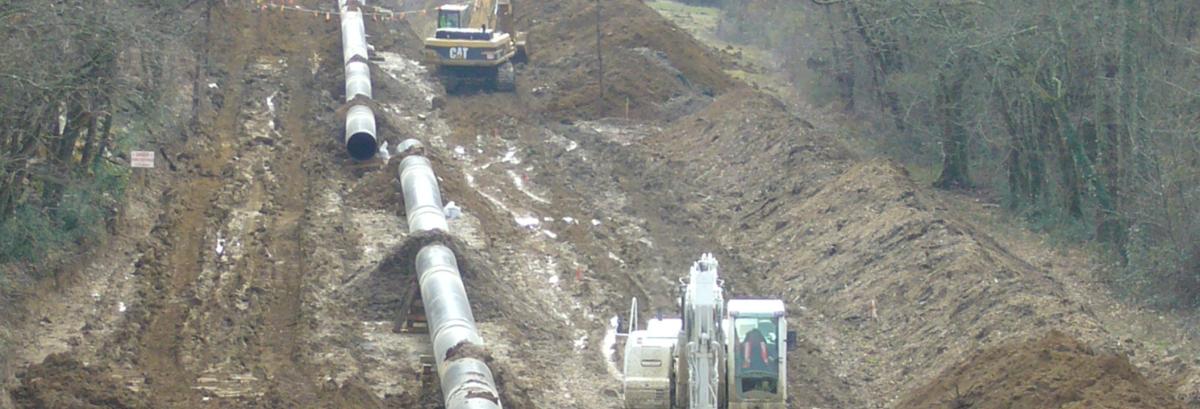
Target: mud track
point(250, 239)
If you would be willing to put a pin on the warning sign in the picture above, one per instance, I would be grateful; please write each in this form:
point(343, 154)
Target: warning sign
point(141, 159)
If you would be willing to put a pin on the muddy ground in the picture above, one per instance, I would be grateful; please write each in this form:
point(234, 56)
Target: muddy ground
point(266, 269)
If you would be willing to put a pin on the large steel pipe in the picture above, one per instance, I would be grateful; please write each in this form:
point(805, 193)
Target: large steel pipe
point(354, 32)
point(360, 132)
point(467, 382)
point(361, 141)
point(358, 80)
point(422, 198)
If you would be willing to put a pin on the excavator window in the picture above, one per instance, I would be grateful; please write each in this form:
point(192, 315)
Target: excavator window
point(757, 354)
point(448, 19)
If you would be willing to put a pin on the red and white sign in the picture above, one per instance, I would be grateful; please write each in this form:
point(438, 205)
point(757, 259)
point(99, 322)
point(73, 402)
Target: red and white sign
point(141, 159)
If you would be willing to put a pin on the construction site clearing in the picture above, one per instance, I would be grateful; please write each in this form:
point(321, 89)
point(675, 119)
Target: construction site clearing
point(271, 269)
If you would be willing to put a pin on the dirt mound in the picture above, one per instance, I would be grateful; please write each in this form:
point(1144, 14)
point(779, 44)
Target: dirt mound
point(63, 382)
point(886, 286)
point(1054, 371)
point(651, 67)
point(767, 145)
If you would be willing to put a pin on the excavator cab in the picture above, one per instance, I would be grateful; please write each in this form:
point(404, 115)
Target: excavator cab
point(757, 356)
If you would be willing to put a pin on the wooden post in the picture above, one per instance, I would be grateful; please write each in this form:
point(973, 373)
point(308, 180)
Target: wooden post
point(599, 56)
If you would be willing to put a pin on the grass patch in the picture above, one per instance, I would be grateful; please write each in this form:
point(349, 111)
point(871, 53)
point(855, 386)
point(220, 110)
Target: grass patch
point(699, 20)
point(667, 6)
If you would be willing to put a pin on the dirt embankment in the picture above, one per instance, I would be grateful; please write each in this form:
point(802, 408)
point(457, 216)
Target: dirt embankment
point(63, 382)
point(652, 69)
point(887, 286)
point(1052, 371)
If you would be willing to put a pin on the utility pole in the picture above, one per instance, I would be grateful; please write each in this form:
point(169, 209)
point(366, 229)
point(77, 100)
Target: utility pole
point(599, 56)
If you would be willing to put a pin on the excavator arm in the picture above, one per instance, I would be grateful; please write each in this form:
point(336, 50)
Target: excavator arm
point(483, 13)
point(703, 310)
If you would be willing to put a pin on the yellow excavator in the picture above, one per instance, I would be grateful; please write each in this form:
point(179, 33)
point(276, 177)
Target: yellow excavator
point(476, 44)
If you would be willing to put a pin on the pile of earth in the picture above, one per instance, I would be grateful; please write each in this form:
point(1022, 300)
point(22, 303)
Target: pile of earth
point(63, 382)
point(652, 68)
point(1053, 371)
point(888, 286)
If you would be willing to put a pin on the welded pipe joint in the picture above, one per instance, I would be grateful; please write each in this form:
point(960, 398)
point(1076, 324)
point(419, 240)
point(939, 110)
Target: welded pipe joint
point(358, 80)
point(422, 197)
point(467, 383)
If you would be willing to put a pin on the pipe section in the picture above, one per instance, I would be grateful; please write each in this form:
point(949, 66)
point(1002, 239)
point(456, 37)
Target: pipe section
point(360, 132)
point(422, 199)
point(467, 382)
point(360, 119)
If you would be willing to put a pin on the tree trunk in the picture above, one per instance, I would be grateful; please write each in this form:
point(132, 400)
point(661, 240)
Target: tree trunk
point(63, 154)
point(1112, 224)
point(1014, 163)
point(66, 145)
point(89, 143)
point(955, 158)
point(842, 67)
point(886, 60)
point(105, 140)
point(30, 144)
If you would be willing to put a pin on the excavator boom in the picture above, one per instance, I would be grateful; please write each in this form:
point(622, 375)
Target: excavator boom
point(483, 14)
point(703, 309)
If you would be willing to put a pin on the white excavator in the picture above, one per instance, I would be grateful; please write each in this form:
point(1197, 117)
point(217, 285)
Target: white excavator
point(716, 355)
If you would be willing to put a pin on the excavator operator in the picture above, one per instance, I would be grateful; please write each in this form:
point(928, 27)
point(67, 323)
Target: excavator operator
point(757, 339)
point(758, 356)
point(448, 21)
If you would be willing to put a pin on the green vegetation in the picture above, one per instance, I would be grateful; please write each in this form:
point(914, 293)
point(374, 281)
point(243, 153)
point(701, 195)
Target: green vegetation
point(1079, 115)
point(706, 14)
point(33, 231)
point(78, 76)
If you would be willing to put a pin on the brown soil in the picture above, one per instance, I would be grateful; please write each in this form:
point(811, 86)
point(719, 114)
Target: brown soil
point(264, 322)
point(1053, 371)
point(62, 382)
point(652, 68)
point(888, 288)
point(886, 285)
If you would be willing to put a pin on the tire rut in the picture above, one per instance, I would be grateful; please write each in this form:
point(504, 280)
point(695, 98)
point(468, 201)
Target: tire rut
point(172, 274)
point(228, 317)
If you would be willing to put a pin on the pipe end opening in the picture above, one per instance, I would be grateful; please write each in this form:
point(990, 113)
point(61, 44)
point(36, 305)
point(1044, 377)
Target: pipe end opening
point(362, 146)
